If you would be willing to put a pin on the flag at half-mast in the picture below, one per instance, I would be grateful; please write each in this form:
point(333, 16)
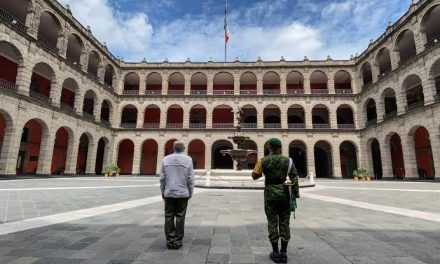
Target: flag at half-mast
point(226, 26)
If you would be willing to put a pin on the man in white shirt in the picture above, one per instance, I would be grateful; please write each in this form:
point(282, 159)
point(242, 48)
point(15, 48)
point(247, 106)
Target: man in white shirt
point(177, 186)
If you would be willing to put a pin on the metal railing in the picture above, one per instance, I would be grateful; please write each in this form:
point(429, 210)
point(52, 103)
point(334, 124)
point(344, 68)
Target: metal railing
point(73, 64)
point(297, 125)
point(67, 107)
point(151, 125)
point(406, 59)
point(106, 123)
point(295, 91)
point(130, 92)
point(198, 92)
point(223, 92)
point(88, 116)
point(108, 87)
point(346, 126)
point(8, 85)
point(248, 91)
point(433, 42)
point(175, 125)
point(176, 92)
point(128, 125)
point(437, 97)
point(389, 115)
point(249, 125)
point(367, 85)
point(40, 97)
point(93, 77)
point(319, 91)
point(383, 75)
point(343, 91)
point(47, 44)
point(371, 122)
point(197, 125)
point(321, 126)
point(223, 125)
point(8, 18)
point(415, 105)
point(153, 92)
point(271, 92)
point(272, 125)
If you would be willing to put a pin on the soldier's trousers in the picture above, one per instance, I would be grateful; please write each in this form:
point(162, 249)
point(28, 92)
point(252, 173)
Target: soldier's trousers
point(175, 209)
point(278, 220)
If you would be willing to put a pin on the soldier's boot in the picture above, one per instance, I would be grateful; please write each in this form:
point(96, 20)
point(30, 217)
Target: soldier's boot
point(283, 253)
point(275, 254)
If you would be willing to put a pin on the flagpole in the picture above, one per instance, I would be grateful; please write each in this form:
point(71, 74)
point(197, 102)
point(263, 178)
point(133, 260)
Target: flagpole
point(226, 44)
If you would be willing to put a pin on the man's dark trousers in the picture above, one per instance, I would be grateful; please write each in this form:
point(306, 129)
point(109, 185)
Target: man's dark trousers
point(175, 208)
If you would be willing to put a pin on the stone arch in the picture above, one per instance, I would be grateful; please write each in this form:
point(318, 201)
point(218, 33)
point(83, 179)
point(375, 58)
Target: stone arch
point(413, 89)
point(366, 74)
point(318, 82)
point(298, 153)
point(169, 146)
point(396, 152)
point(43, 79)
point(176, 83)
point(248, 83)
point(389, 102)
point(18, 9)
point(102, 154)
point(152, 116)
point(430, 25)
point(149, 157)
point(131, 83)
point(154, 83)
point(49, 30)
point(296, 116)
point(106, 111)
point(197, 116)
point(89, 103)
point(84, 148)
point(109, 76)
point(223, 83)
point(271, 83)
point(69, 93)
point(272, 116)
point(250, 116)
point(434, 77)
point(370, 110)
point(405, 45)
point(223, 117)
point(295, 82)
point(423, 152)
point(320, 116)
point(125, 156)
point(196, 150)
point(323, 159)
point(375, 157)
point(94, 62)
point(343, 80)
point(383, 61)
point(348, 152)
point(75, 49)
point(219, 160)
point(63, 138)
point(175, 116)
point(6, 131)
point(199, 83)
point(11, 60)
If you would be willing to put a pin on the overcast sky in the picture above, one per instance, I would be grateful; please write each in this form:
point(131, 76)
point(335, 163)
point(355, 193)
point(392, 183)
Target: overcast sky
point(178, 29)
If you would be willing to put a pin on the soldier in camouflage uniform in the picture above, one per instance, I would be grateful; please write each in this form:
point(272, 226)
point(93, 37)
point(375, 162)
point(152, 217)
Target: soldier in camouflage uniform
point(276, 197)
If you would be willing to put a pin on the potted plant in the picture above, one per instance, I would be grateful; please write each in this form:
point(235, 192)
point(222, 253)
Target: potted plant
point(361, 173)
point(112, 170)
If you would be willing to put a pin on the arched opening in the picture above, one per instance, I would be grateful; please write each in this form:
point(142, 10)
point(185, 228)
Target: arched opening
point(343, 82)
point(377, 159)
point(100, 155)
point(298, 153)
point(105, 112)
point(152, 117)
point(296, 117)
point(406, 46)
point(197, 117)
point(390, 103)
point(149, 157)
point(219, 160)
point(16, 9)
point(397, 161)
point(89, 104)
point(29, 152)
point(68, 94)
point(252, 159)
point(295, 83)
point(93, 64)
point(271, 83)
point(223, 84)
point(323, 160)
point(423, 151)
point(249, 116)
point(434, 76)
point(414, 92)
point(74, 50)
point(248, 83)
point(320, 117)
point(43, 77)
point(154, 84)
point(169, 147)
point(83, 151)
point(383, 61)
point(348, 156)
point(431, 26)
point(59, 154)
point(129, 116)
point(109, 75)
point(371, 112)
point(199, 84)
point(318, 83)
point(223, 117)
point(131, 83)
point(272, 117)
point(125, 156)
point(175, 117)
point(367, 74)
point(196, 150)
point(10, 59)
point(176, 84)
point(49, 30)
point(5, 126)
point(344, 117)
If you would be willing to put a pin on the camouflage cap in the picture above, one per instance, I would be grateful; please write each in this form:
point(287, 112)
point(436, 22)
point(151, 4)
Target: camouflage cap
point(274, 142)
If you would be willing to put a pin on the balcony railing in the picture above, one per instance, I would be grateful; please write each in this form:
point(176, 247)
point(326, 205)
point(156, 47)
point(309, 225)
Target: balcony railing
point(151, 125)
point(8, 18)
point(295, 91)
point(40, 97)
point(297, 125)
point(223, 92)
point(248, 91)
point(366, 86)
point(108, 87)
point(408, 58)
point(8, 85)
point(67, 107)
point(371, 122)
point(176, 92)
point(88, 116)
point(128, 125)
point(271, 92)
point(175, 125)
point(93, 77)
point(383, 75)
point(433, 42)
point(249, 125)
point(223, 125)
point(390, 115)
point(415, 105)
point(73, 64)
point(321, 126)
point(106, 123)
point(153, 92)
point(47, 44)
point(346, 126)
point(343, 91)
point(198, 92)
point(319, 91)
point(130, 92)
point(272, 125)
point(437, 97)
point(197, 126)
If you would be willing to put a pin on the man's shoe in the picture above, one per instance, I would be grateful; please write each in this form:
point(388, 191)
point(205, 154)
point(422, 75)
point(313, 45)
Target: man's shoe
point(283, 253)
point(170, 246)
point(275, 257)
point(283, 258)
point(177, 246)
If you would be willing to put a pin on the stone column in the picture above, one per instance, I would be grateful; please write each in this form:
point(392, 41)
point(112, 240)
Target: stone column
point(187, 84)
point(333, 118)
point(10, 149)
point(429, 89)
point(24, 76)
point(91, 158)
point(401, 102)
point(209, 112)
point(165, 84)
point(435, 148)
point(136, 170)
point(387, 164)
point(259, 84)
point(260, 145)
point(142, 83)
point(72, 155)
point(79, 102)
point(55, 93)
point(284, 124)
point(101, 72)
point(331, 84)
point(307, 89)
point(336, 158)
point(210, 84)
point(283, 84)
point(97, 110)
point(62, 43)
point(186, 114)
point(380, 109)
point(260, 118)
point(140, 119)
point(409, 157)
point(395, 57)
point(34, 21)
point(311, 160)
point(160, 155)
point(163, 118)
point(236, 84)
point(308, 118)
point(375, 71)
point(46, 152)
point(208, 155)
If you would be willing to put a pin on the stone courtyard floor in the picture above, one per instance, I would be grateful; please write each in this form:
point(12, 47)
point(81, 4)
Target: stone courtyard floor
point(120, 220)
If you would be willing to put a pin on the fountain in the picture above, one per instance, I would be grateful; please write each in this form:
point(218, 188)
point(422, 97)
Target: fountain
point(239, 154)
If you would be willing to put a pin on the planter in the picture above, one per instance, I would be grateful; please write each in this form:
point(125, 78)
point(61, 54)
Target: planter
point(356, 178)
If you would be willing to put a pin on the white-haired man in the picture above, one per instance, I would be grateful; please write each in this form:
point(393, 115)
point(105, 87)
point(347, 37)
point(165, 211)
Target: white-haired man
point(176, 185)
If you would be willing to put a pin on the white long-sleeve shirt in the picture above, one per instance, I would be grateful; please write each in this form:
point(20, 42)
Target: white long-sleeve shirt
point(177, 176)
